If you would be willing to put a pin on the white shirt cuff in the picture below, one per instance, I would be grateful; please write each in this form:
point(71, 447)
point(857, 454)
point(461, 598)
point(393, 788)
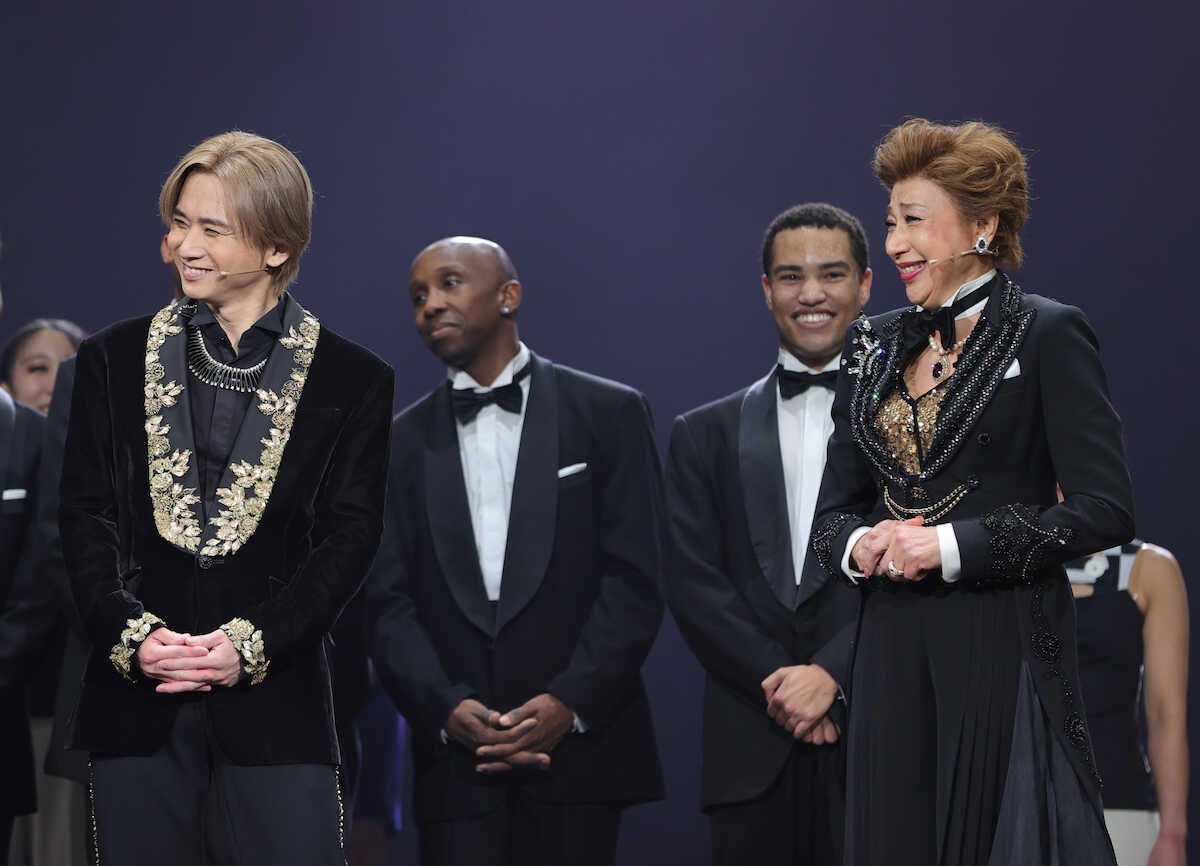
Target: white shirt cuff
point(948, 547)
point(848, 569)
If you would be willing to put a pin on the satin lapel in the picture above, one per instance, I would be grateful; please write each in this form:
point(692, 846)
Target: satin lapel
point(247, 482)
point(450, 516)
point(531, 522)
point(8, 429)
point(763, 489)
point(170, 440)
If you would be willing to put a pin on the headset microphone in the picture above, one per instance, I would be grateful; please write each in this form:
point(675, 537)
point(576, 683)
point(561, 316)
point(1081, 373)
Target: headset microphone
point(224, 274)
point(980, 249)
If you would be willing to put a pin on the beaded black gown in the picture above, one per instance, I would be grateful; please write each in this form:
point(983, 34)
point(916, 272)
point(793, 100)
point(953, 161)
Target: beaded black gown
point(966, 743)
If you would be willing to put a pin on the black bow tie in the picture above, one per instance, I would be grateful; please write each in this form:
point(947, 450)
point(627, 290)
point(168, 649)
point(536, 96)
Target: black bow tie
point(467, 401)
point(792, 383)
point(919, 324)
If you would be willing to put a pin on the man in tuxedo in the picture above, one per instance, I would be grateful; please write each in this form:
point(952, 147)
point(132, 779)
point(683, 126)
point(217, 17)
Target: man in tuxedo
point(515, 594)
point(20, 447)
point(774, 637)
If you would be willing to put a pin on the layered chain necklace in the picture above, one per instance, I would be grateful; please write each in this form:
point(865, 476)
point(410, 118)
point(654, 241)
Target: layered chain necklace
point(210, 371)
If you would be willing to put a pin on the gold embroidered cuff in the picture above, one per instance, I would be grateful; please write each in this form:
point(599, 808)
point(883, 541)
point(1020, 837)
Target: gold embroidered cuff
point(248, 641)
point(135, 631)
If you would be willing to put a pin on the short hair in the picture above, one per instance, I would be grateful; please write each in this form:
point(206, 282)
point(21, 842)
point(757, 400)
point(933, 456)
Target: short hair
point(8, 359)
point(976, 163)
point(268, 189)
point(817, 215)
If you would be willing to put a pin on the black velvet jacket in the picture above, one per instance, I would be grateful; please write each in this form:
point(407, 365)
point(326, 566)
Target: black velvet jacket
point(1001, 445)
point(299, 523)
point(579, 604)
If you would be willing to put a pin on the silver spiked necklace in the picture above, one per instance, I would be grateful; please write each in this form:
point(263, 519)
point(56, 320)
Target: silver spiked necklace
point(210, 371)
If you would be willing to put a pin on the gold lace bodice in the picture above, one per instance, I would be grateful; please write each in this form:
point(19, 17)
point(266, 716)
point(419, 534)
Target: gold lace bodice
point(895, 428)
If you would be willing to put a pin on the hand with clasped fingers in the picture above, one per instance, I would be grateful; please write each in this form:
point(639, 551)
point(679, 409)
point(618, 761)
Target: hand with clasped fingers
point(521, 738)
point(798, 698)
point(189, 663)
point(898, 550)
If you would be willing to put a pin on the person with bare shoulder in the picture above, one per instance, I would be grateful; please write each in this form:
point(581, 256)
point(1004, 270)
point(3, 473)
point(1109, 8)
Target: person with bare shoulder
point(1132, 611)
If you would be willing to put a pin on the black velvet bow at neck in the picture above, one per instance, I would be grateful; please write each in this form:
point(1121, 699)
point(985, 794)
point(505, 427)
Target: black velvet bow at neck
point(919, 324)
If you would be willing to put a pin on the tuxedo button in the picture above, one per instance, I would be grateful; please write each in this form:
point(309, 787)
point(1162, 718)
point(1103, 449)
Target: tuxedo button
point(973, 482)
point(984, 439)
point(205, 562)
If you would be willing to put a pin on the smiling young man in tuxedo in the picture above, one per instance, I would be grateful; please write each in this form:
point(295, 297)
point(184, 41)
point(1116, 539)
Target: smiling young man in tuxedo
point(774, 637)
point(515, 594)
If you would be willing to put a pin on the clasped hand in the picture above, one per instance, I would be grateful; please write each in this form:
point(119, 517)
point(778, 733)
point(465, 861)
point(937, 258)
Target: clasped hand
point(189, 663)
point(909, 547)
point(798, 700)
point(520, 738)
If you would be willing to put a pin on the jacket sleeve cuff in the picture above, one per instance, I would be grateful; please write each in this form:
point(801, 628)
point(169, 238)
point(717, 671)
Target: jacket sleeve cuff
point(124, 653)
point(248, 641)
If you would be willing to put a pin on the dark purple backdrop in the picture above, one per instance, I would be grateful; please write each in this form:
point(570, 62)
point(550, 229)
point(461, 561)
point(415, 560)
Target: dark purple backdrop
point(628, 156)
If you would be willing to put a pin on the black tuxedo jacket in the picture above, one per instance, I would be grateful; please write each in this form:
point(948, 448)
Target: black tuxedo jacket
point(579, 604)
point(311, 548)
point(1028, 407)
point(730, 545)
point(20, 447)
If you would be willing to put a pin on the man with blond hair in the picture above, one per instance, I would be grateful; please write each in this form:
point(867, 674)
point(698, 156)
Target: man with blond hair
point(221, 492)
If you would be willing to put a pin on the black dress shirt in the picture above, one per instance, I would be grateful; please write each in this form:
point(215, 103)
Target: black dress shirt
point(217, 413)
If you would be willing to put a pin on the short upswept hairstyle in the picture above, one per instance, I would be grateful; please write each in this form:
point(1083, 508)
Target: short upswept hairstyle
point(821, 216)
point(976, 163)
point(268, 191)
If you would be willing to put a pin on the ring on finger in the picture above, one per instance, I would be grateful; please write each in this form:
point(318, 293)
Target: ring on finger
point(893, 571)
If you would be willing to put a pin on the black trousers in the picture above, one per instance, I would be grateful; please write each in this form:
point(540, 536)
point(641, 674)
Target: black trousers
point(525, 832)
point(188, 806)
point(795, 822)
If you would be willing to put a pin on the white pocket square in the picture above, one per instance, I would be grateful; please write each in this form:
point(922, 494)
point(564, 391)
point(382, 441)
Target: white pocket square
point(13, 493)
point(573, 469)
point(1014, 370)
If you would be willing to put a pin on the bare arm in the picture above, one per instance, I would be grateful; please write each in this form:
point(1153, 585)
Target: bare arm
point(1158, 587)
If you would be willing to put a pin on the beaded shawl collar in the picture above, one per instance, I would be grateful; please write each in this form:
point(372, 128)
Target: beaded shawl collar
point(877, 365)
point(247, 481)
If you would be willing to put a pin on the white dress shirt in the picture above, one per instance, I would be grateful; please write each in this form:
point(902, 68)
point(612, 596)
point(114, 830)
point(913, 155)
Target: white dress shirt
point(805, 425)
point(488, 446)
point(947, 542)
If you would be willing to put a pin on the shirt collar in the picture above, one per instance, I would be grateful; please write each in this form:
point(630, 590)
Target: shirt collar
point(271, 321)
point(967, 288)
point(791, 362)
point(463, 379)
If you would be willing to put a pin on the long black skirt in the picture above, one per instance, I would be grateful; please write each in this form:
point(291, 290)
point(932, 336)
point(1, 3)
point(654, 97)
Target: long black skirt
point(942, 704)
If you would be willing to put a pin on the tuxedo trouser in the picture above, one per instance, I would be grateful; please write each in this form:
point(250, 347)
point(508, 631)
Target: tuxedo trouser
point(6, 823)
point(795, 822)
point(525, 832)
point(187, 805)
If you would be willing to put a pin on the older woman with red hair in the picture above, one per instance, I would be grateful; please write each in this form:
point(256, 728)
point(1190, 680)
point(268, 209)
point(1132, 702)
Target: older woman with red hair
point(954, 418)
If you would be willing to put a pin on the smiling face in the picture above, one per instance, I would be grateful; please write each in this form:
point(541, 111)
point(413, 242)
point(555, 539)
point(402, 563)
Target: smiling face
point(814, 291)
point(204, 240)
point(36, 365)
point(924, 224)
point(459, 290)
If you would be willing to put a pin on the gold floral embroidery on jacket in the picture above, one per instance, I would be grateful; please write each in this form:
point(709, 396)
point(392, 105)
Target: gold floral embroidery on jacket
point(245, 500)
point(135, 631)
point(173, 514)
point(248, 641)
